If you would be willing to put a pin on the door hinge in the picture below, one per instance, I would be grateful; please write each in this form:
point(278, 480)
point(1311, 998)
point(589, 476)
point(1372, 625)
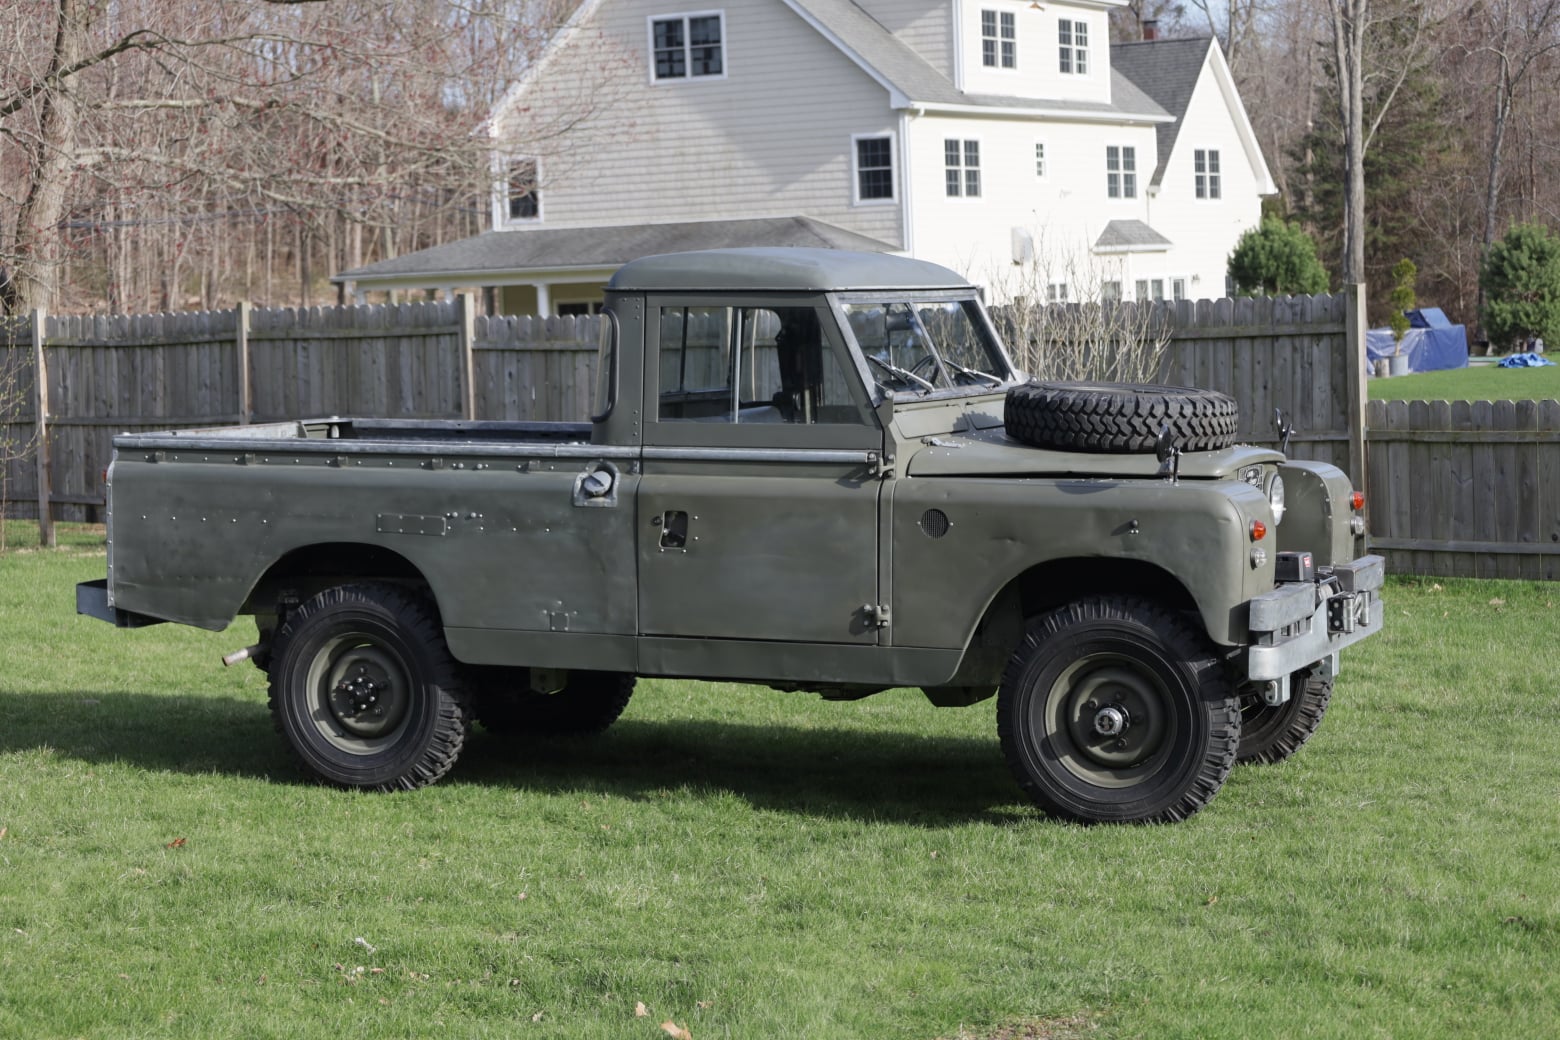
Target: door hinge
point(882, 466)
point(877, 614)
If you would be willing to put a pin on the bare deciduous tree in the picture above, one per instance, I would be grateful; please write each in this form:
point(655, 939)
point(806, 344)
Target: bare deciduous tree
point(145, 132)
point(1375, 46)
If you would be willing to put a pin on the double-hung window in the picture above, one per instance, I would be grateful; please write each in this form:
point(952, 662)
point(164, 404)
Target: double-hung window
point(874, 168)
point(998, 40)
point(1120, 172)
point(1205, 168)
point(1039, 158)
point(687, 46)
point(1072, 45)
point(961, 161)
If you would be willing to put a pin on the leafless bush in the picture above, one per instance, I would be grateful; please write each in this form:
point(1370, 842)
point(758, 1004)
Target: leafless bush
point(1085, 334)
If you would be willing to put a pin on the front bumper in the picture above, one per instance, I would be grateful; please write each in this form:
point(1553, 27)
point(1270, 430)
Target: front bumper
point(1301, 623)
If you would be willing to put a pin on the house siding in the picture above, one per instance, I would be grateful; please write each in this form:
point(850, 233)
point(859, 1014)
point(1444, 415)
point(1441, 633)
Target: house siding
point(1063, 212)
point(1205, 231)
point(772, 137)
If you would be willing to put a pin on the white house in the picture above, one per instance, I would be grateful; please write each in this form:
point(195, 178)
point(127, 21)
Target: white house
point(1006, 139)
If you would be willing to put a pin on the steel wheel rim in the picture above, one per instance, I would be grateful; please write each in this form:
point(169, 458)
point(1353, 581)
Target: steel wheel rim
point(361, 693)
point(1091, 695)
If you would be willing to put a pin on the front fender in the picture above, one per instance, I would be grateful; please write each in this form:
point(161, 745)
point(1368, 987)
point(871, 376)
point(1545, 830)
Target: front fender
point(1196, 532)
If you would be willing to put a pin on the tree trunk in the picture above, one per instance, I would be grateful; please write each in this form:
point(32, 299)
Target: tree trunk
point(1348, 25)
point(39, 250)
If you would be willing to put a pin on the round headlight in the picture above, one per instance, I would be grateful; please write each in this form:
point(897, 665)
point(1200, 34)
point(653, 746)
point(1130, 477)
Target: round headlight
point(1275, 493)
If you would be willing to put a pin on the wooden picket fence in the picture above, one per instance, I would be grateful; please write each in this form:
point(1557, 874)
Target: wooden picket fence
point(105, 375)
point(1466, 488)
point(1454, 489)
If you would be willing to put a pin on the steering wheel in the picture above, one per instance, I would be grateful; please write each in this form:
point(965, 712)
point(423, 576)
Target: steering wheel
point(928, 362)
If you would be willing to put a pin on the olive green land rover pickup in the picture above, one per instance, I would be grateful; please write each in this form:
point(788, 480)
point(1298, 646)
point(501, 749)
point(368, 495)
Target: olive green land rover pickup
point(814, 470)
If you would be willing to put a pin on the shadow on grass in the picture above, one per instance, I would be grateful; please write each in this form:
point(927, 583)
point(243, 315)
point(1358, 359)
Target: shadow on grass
point(896, 777)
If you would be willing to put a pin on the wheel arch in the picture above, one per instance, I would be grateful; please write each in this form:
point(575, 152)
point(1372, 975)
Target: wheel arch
point(1043, 587)
point(306, 570)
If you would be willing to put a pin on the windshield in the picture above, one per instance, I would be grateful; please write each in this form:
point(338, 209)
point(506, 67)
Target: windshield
point(926, 345)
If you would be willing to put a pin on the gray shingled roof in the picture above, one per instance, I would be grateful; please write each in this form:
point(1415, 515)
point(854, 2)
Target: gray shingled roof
point(508, 252)
point(920, 83)
point(1167, 71)
point(1130, 236)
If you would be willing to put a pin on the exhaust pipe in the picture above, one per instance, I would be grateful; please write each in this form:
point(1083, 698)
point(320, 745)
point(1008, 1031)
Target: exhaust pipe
point(247, 653)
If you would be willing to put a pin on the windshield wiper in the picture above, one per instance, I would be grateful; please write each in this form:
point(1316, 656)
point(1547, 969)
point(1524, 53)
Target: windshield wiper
point(973, 373)
point(904, 375)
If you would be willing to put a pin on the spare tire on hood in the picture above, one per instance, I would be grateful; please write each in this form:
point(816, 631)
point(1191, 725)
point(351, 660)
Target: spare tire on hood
point(1119, 418)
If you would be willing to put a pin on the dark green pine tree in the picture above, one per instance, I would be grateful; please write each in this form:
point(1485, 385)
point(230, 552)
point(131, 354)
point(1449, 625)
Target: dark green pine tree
point(1407, 152)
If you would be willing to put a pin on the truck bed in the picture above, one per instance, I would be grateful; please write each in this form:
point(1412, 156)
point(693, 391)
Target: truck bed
point(450, 432)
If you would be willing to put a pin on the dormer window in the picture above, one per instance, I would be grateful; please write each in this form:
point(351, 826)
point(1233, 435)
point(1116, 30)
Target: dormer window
point(998, 40)
point(687, 46)
point(1072, 41)
point(525, 202)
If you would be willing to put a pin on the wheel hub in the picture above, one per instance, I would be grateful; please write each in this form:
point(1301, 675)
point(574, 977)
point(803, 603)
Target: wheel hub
point(365, 690)
point(358, 693)
point(1111, 721)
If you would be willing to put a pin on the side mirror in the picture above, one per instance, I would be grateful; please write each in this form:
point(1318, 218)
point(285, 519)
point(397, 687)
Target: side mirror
point(1285, 430)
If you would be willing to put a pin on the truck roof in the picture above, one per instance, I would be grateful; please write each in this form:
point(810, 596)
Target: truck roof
point(779, 268)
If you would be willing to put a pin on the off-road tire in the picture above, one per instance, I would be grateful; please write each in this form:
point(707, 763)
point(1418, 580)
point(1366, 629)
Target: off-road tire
point(1119, 418)
point(1269, 735)
point(1117, 657)
point(365, 690)
point(589, 702)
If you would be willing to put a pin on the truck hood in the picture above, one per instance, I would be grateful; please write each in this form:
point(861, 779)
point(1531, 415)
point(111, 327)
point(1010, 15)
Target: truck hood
point(992, 453)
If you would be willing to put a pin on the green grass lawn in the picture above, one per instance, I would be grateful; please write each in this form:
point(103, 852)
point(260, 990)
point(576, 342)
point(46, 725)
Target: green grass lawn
point(1474, 383)
point(746, 863)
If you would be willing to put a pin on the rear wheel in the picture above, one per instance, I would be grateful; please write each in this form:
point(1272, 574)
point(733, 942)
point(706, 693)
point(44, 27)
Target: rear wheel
point(1113, 709)
point(1272, 734)
point(507, 700)
point(365, 690)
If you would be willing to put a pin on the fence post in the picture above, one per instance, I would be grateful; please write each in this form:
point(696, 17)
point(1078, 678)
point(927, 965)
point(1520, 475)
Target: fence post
point(41, 430)
point(466, 318)
point(1354, 358)
point(246, 401)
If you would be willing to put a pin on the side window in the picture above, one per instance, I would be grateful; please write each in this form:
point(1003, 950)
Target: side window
point(750, 365)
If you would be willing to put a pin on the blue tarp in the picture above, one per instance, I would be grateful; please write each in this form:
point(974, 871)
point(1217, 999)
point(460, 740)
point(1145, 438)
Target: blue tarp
point(1428, 348)
point(1428, 318)
point(1525, 361)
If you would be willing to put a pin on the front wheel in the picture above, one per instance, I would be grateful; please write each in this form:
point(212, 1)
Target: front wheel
point(1272, 734)
point(1113, 709)
point(365, 690)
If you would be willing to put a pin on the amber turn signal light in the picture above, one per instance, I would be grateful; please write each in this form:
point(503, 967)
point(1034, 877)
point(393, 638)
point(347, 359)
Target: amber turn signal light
point(1258, 530)
point(1357, 500)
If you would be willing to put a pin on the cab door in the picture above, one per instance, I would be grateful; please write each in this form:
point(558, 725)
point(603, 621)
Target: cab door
point(759, 495)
